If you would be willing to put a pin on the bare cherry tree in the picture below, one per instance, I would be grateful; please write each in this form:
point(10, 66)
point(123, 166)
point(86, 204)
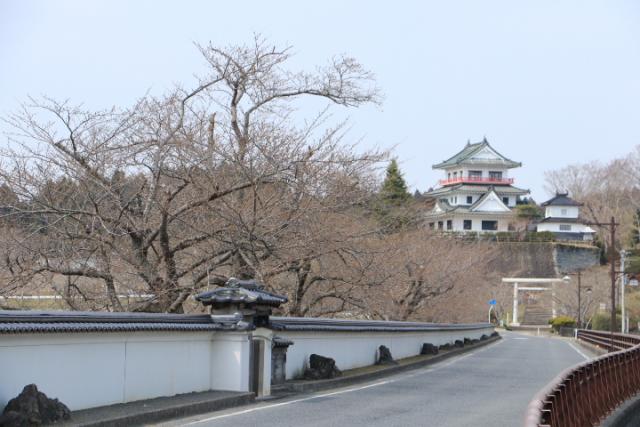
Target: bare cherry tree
point(185, 190)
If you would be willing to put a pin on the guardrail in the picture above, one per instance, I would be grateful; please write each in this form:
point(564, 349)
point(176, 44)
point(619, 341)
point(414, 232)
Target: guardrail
point(608, 340)
point(585, 394)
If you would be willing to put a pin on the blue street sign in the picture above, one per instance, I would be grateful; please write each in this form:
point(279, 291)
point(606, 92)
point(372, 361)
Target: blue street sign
point(492, 302)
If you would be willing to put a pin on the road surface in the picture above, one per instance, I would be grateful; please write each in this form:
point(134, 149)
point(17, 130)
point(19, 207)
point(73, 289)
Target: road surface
point(490, 386)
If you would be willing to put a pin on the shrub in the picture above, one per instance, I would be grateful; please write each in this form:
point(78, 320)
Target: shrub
point(602, 322)
point(528, 211)
point(562, 321)
point(541, 236)
point(506, 236)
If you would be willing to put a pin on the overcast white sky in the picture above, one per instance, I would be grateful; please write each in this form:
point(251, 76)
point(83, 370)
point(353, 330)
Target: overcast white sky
point(547, 82)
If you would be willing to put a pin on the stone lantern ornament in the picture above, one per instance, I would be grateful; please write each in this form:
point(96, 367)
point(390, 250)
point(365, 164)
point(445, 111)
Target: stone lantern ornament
point(244, 300)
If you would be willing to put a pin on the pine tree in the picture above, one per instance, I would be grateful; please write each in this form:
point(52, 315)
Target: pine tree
point(635, 231)
point(394, 188)
point(393, 204)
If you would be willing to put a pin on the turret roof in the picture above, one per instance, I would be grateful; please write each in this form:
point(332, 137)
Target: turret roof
point(561, 199)
point(475, 188)
point(467, 153)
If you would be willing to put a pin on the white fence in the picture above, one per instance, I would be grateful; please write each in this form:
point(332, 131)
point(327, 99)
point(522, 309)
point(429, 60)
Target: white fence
point(86, 370)
point(353, 344)
point(95, 359)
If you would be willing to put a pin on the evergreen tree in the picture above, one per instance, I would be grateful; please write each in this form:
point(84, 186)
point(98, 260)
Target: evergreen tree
point(394, 188)
point(393, 204)
point(635, 231)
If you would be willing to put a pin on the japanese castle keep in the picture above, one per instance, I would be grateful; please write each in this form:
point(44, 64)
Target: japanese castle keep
point(476, 193)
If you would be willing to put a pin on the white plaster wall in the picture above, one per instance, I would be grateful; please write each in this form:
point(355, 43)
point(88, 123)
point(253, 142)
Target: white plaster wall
point(356, 349)
point(86, 370)
point(556, 211)
point(476, 223)
point(555, 227)
point(485, 171)
point(230, 362)
point(511, 202)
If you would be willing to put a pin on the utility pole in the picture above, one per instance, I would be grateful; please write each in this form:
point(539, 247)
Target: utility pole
point(623, 277)
point(612, 258)
point(579, 303)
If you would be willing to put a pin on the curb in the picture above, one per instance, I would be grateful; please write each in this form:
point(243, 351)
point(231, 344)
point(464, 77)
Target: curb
point(599, 351)
point(156, 410)
point(301, 386)
point(625, 415)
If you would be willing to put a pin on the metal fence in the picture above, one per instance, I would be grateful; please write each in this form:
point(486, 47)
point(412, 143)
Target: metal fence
point(585, 394)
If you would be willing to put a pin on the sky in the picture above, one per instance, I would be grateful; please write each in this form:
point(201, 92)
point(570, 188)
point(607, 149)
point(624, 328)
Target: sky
point(547, 82)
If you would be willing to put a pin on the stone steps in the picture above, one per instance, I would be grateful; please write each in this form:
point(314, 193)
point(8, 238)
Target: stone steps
point(536, 315)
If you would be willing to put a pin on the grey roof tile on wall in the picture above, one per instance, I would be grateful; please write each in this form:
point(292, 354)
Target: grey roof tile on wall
point(346, 325)
point(241, 292)
point(83, 321)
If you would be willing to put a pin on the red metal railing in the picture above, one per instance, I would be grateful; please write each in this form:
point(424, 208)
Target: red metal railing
point(585, 394)
point(476, 180)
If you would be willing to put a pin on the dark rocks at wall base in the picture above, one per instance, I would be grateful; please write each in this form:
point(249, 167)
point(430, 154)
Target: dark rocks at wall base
point(495, 334)
point(321, 368)
point(33, 408)
point(384, 356)
point(484, 337)
point(445, 347)
point(459, 343)
point(467, 341)
point(428, 348)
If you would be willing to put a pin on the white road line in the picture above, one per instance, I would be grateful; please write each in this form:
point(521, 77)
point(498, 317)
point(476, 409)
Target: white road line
point(349, 390)
point(578, 350)
point(275, 405)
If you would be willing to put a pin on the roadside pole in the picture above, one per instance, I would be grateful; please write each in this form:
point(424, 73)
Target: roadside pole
point(492, 303)
point(623, 320)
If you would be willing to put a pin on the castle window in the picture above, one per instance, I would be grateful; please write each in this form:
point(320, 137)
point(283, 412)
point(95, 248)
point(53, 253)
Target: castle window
point(469, 200)
point(466, 224)
point(565, 227)
point(505, 200)
point(449, 224)
point(495, 175)
point(490, 225)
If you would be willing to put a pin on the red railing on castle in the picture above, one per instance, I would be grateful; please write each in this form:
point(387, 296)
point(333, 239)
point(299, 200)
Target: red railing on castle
point(476, 180)
point(586, 394)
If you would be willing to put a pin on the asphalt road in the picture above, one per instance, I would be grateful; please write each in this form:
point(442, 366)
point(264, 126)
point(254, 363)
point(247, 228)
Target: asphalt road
point(490, 386)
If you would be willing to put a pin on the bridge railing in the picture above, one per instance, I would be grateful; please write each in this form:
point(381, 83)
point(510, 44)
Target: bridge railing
point(585, 394)
point(607, 340)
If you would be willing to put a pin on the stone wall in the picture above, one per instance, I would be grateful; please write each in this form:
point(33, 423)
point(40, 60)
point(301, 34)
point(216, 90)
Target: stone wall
point(571, 258)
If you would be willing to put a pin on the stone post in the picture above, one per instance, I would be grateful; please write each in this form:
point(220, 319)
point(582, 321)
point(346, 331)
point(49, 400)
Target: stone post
point(262, 361)
point(279, 360)
point(515, 322)
point(247, 305)
point(553, 300)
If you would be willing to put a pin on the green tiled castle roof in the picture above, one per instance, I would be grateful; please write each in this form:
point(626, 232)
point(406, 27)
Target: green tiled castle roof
point(469, 151)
